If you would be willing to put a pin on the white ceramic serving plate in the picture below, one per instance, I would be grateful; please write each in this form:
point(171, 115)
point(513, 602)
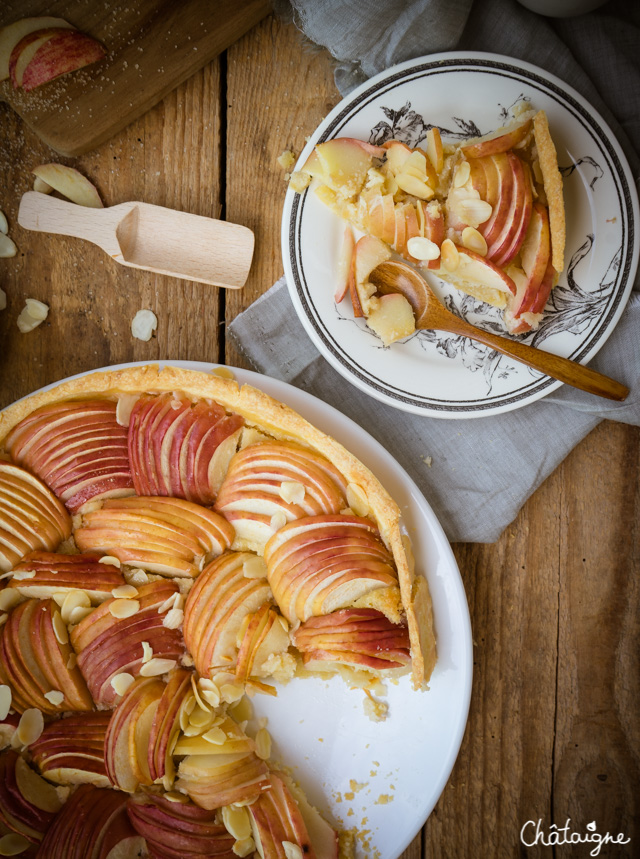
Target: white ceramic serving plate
point(319, 728)
point(432, 373)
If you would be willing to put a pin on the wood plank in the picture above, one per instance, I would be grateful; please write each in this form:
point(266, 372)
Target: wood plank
point(152, 47)
point(597, 745)
point(278, 92)
point(170, 157)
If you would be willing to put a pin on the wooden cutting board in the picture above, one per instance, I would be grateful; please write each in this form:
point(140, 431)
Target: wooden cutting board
point(152, 46)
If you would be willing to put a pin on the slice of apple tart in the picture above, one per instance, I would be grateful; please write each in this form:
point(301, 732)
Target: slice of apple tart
point(487, 216)
point(170, 543)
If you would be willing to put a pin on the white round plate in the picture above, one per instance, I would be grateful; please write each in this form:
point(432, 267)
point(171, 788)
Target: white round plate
point(380, 778)
point(434, 373)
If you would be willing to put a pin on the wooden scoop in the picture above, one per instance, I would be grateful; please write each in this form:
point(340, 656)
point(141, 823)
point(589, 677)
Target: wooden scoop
point(429, 313)
point(150, 237)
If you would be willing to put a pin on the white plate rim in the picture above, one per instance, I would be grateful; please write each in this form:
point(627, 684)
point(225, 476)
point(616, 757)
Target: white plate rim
point(412, 503)
point(338, 356)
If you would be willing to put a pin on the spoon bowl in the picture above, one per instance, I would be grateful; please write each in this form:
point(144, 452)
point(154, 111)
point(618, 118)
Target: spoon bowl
point(430, 314)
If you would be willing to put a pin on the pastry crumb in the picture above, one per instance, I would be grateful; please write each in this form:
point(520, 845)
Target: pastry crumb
point(286, 159)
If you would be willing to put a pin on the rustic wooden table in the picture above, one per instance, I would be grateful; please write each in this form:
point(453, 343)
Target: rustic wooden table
point(553, 727)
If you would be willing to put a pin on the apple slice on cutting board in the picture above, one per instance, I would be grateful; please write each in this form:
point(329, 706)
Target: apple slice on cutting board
point(12, 34)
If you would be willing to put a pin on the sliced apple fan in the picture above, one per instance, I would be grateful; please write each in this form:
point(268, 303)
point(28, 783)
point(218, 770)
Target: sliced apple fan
point(162, 555)
point(486, 216)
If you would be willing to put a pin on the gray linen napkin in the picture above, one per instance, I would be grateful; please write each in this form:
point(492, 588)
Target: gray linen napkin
point(477, 473)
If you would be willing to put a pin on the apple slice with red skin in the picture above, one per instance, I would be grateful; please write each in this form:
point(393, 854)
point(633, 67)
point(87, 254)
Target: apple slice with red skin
point(174, 830)
point(166, 724)
point(536, 286)
point(93, 823)
point(275, 817)
point(31, 517)
point(370, 252)
point(215, 610)
point(216, 780)
point(71, 750)
point(361, 637)
point(501, 141)
point(506, 244)
point(12, 34)
point(126, 739)
point(19, 813)
point(24, 51)
point(477, 269)
point(78, 449)
point(307, 580)
point(262, 622)
point(254, 489)
point(61, 574)
point(65, 52)
point(499, 193)
point(54, 657)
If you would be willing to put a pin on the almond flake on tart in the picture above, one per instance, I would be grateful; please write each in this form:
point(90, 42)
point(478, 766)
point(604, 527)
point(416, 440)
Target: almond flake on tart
point(221, 544)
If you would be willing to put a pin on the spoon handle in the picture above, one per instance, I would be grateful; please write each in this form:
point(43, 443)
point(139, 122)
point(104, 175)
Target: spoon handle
point(570, 372)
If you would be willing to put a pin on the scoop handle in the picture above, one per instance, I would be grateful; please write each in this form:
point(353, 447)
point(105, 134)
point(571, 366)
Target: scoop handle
point(50, 215)
point(563, 369)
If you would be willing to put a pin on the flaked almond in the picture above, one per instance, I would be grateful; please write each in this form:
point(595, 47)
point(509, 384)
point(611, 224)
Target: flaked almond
point(7, 733)
point(121, 608)
point(414, 186)
point(291, 850)
point(216, 736)
point(223, 372)
point(147, 651)
point(237, 822)
point(74, 599)
point(357, 499)
point(242, 710)
point(79, 613)
point(7, 247)
point(125, 405)
point(449, 255)
point(263, 744)
point(230, 692)
point(10, 597)
point(54, 697)
point(474, 240)
point(32, 314)
point(173, 618)
point(186, 708)
point(434, 148)
point(211, 697)
point(157, 666)
point(5, 701)
point(14, 844)
point(59, 628)
point(422, 248)
point(176, 796)
point(461, 176)
point(4, 225)
point(292, 492)
point(121, 682)
point(110, 561)
point(201, 718)
point(22, 575)
point(124, 592)
point(72, 661)
point(30, 726)
point(254, 568)
point(278, 520)
point(3, 299)
point(245, 847)
point(474, 212)
point(171, 602)
point(136, 577)
point(143, 324)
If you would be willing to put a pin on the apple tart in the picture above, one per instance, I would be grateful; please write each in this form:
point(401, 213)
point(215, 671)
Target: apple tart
point(486, 216)
point(170, 545)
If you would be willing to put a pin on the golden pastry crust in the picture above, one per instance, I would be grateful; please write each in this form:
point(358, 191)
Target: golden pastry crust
point(264, 412)
point(552, 179)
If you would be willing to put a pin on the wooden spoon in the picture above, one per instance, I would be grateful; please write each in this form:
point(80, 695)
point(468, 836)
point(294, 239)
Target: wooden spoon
point(390, 277)
point(150, 237)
